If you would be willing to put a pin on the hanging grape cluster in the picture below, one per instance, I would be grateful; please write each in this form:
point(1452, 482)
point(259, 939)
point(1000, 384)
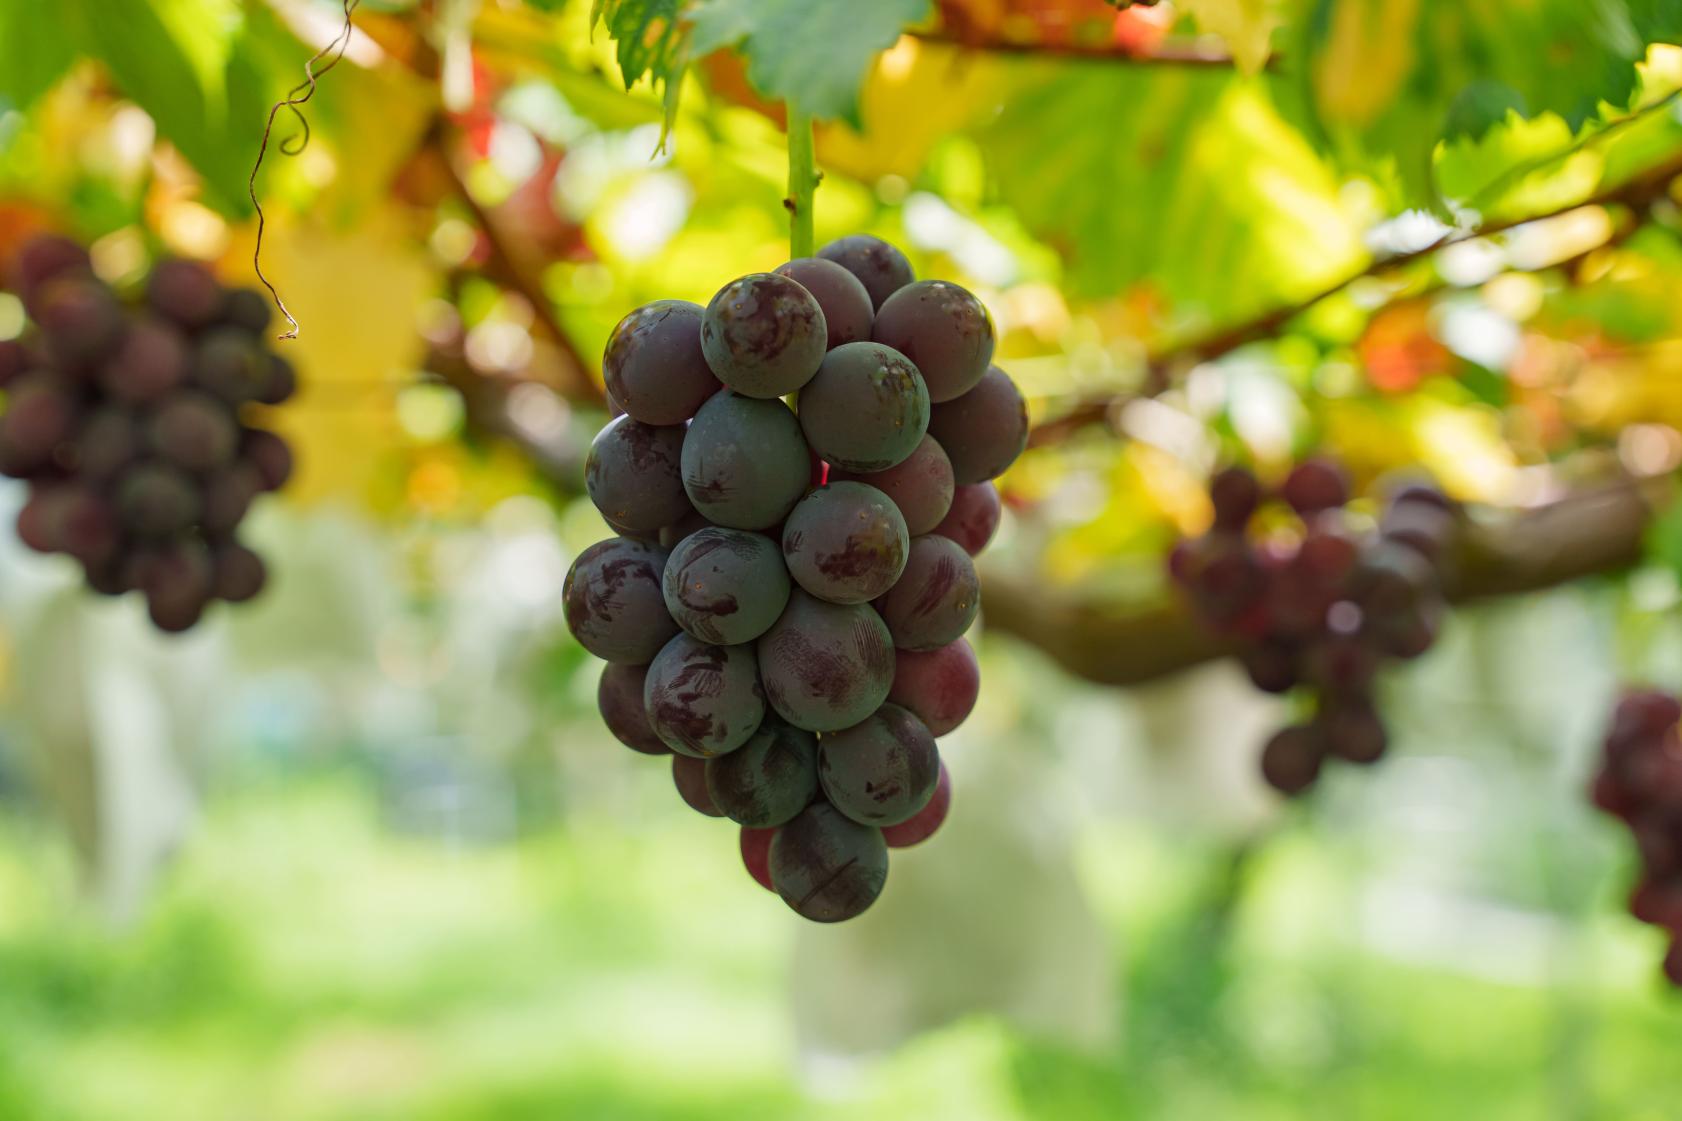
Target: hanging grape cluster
point(127, 418)
point(1640, 783)
point(1316, 603)
point(784, 607)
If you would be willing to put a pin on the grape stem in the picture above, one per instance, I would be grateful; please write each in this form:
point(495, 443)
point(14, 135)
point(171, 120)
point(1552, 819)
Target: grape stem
point(802, 182)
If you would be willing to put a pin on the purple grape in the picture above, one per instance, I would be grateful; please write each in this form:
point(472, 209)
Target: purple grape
point(847, 310)
point(866, 410)
point(40, 416)
point(246, 309)
point(690, 777)
point(150, 362)
point(756, 855)
point(613, 603)
point(178, 582)
point(763, 335)
point(1236, 496)
point(281, 383)
point(974, 517)
point(44, 258)
point(703, 700)
point(1350, 728)
point(184, 292)
point(984, 430)
point(846, 543)
point(744, 461)
point(229, 363)
point(923, 824)
point(240, 574)
point(227, 498)
point(692, 522)
point(15, 360)
point(882, 269)
point(769, 779)
point(635, 477)
point(81, 321)
point(921, 485)
point(1271, 665)
point(109, 441)
point(87, 526)
point(654, 367)
point(725, 586)
point(619, 699)
point(936, 599)
point(882, 770)
point(1315, 485)
point(1390, 582)
point(270, 455)
point(157, 500)
point(944, 330)
point(939, 686)
point(194, 431)
point(1424, 528)
point(827, 868)
point(1291, 760)
point(826, 666)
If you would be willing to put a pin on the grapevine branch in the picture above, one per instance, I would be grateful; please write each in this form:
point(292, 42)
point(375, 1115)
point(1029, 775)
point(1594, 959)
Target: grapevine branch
point(1595, 530)
point(803, 179)
point(1174, 52)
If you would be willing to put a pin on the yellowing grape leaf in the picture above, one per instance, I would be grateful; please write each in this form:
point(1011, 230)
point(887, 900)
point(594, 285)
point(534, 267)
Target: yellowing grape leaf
point(1246, 25)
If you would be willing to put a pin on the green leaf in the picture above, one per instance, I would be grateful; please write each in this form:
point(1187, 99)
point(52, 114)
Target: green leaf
point(35, 51)
point(647, 37)
point(1657, 21)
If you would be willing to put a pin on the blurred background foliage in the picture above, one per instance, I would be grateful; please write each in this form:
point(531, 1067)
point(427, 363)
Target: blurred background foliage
point(363, 850)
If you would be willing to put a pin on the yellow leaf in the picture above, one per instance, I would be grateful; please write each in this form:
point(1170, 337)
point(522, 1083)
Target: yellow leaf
point(1246, 25)
point(1368, 55)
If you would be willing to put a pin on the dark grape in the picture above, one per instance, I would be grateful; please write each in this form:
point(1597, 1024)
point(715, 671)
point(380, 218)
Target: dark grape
point(984, 430)
point(882, 269)
point(826, 666)
point(703, 700)
point(619, 700)
point(1315, 485)
point(763, 335)
point(866, 410)
point(178, 582)
point(269, 454)
point(921, 485)
point(936, 599)
point(1658, 903)
point(880, 771)
point(240, 574)
point(81, 321)
point(229, 363)
point(228, 496)
point(1291, 760)
point(184, 292)
point(756, 855)
point(654, 367)
point(38, 521)
point(1350, 728)
point(1424, 528)
point(634, 475)
point(246, 309)
point(280, 384)
point(44, 258)
point(725, 586)
point(1644, 714)
point(692, 522)
point(109, 441)
point(39, 417)
point(15, 360)
point(1328, 553)
point(938, 686)
point(827, 868)
point(944, 330)
point(1236, 496)
point(847, 310)
point(157, 500)
point(846, 543)
point(744, 461)
point(974, 517)
point(613, 602)
point(769, 779)
point(1390, 581)
point(193, 431)
point(1340, 664)
point(87, 526)
point(923, 824)
point(150, 362)
point(690, 777)
point(1271, 665)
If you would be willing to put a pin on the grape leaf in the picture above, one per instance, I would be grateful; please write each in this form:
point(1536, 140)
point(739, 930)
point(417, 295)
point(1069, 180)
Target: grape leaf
point(647, 37)
point(34, 52)
point(1247, 26)
point(1658, 21)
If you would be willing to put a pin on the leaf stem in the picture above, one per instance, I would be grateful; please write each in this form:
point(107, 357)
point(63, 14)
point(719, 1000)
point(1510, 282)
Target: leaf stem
point(802, 182)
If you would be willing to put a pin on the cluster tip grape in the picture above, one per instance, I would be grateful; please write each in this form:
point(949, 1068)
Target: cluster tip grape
point(784, 606)
point(1317, 604)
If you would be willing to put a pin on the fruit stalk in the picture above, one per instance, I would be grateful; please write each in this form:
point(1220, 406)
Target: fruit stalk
point(802, 182)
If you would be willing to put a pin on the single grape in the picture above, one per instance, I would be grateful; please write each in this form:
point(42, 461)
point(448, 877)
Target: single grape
point(81, 321)
point(826, 666)
point(744, 461)
point(654, 367)
point(178, 582)
point(974, 517)
point(763, 335)
point(109, 441)
point(921, 485)
point(846, 543)
point(246, 309)
point(1340, 664)
point(619, 699)
point(613, 603)
point(151, 361)
point(756, 855)
point(882, 269)
point(38, 521)
point(725, 586)
point(866, 410)
point(769, 779)
point(1644, 714)
point(1315, 485)
point(1291, 760)
point(882, 770)
point(157, 500)
point(1611, 796)
point(1328, 554)
point(194, 431)
point(1350, 727)
point(939, 686)
point(827, 868)
point(847, 310)
point(944, 330)
point(1658, 902)
point(44, 258)
point(634, 475)
point(703, 700)
point(690, 777)
point(1236, 495)
point(227, 498)
point(1391, 581)
point(984, 430)
point(269, 454)
point(1271, 666)
point(280, 384)
point(40, 416)
point(923, 824)
point(184, 292)
point(240, 574)
point(87, 525)
point(230, 364)
point(936, 599)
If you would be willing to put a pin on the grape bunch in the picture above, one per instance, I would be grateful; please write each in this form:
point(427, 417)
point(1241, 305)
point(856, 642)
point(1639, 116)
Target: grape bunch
point(1317, 604)
point(784, 607)
point(128, 420)
point(1640, 783)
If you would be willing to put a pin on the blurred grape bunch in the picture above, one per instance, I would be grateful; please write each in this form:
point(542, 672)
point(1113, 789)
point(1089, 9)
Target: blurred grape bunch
point(129, 421)
point(784, 606)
